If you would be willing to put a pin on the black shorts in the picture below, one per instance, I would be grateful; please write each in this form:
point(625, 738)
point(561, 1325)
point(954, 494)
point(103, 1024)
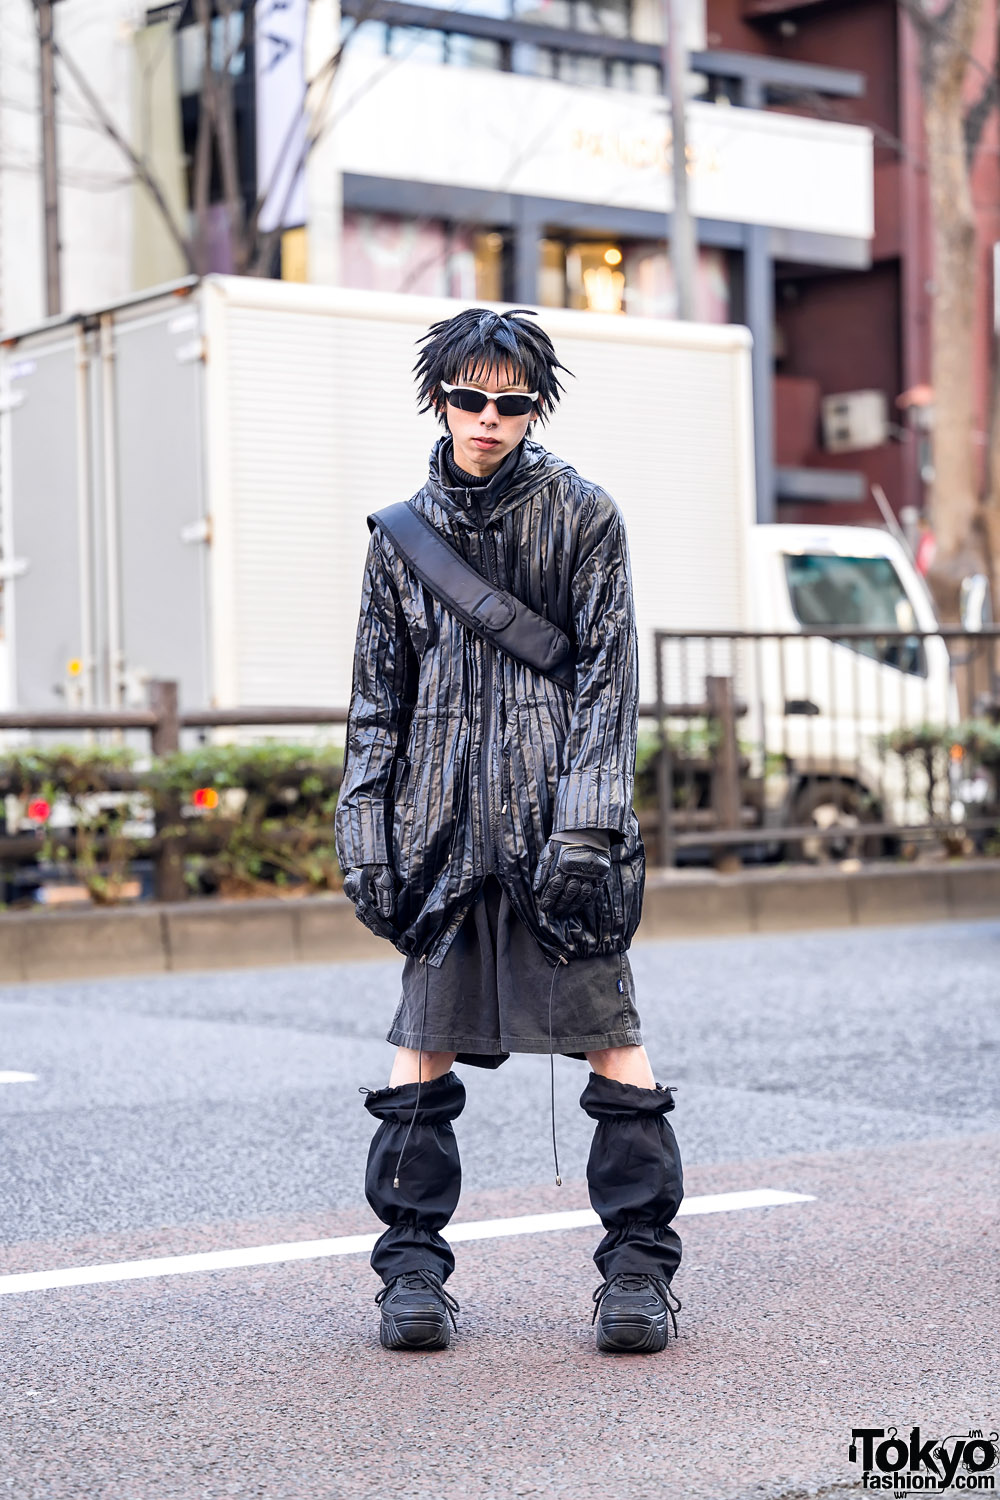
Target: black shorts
point(490, 996)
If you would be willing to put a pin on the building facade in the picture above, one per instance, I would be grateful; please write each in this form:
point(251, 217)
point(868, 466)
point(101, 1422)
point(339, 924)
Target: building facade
point(840, 331)
point(515, 150)
point(522, 151)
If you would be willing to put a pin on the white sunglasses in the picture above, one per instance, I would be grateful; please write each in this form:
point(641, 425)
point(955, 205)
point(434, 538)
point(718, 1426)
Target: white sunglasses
point(509, 404)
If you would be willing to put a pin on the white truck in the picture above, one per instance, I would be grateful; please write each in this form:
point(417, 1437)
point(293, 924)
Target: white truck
point(184, 481)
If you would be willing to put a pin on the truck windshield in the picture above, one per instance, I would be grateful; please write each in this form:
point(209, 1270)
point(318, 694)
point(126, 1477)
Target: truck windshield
point(859, 591)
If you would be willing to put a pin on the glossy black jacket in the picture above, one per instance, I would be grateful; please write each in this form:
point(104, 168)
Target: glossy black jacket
point(460, 760)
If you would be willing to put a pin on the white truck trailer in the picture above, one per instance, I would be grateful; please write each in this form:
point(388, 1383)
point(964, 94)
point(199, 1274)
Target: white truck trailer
point(184, 481)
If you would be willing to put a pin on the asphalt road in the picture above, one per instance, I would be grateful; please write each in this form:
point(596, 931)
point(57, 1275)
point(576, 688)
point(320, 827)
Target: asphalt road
point(191, 1113)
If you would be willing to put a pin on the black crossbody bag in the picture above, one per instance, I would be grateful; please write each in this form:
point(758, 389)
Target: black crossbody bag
point(493, 613)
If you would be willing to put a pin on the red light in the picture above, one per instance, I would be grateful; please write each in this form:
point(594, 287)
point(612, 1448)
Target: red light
point(205, 796)
point(39, 810)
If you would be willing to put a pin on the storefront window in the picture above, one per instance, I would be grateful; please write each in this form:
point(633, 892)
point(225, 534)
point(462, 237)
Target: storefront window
point(606, 17)
point(371, 38)
point(628, 277)
point(551, 273)
point(585, 72)
point(545, 12)
point(473, 51)
point(650, 290)
point(500, 9)
point(488, 252)
point(538, 61)
point(594, 277)
point(227, 42)
point(620, 75)
point(416, 44)
point(647, 78)
point(387, 253)
point(585, 274)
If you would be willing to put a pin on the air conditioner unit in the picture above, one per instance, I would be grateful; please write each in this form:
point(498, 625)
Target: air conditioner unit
point(853, 420)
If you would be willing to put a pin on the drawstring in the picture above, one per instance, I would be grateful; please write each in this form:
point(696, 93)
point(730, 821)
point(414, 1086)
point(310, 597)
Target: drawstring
point(552, 1072)
point(420, 1075)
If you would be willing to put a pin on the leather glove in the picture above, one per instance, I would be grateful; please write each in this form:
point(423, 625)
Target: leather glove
point(372, 888)
point(569, 875)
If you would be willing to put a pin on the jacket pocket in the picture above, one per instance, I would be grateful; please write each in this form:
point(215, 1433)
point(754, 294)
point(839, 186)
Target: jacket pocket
point(429, 800)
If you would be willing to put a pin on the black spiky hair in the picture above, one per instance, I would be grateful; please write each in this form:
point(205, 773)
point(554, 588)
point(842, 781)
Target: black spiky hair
point(477, 342)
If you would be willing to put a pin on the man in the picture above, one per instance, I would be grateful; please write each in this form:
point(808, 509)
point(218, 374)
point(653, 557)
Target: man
point(485, 827)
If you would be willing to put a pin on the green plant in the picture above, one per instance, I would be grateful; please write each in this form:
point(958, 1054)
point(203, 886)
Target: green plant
point(77, 770)
point(90, 793)
point(934, 747)
point(272, 826)
point(275, 819)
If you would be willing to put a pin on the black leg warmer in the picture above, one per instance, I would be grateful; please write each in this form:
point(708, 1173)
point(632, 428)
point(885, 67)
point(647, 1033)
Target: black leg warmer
point(634, 1176)
point(430, 1176)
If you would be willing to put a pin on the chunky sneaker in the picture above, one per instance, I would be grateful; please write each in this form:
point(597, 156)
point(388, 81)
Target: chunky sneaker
point(631, 1313)
point(415, 1312)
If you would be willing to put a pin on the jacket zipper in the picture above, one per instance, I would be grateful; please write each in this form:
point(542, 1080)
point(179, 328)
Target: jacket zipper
point(485, 768)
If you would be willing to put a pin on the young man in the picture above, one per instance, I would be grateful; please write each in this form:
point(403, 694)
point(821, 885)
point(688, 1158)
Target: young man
point(485, 827)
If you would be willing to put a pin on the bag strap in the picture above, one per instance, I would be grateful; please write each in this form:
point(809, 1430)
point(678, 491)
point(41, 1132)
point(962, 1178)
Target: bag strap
point(494, 614)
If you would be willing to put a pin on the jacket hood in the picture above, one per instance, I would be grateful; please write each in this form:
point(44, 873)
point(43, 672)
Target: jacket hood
point(536, 468)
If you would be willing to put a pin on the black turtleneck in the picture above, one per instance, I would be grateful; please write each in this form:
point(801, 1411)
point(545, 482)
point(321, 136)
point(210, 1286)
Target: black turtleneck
point(467, 481)
point(488, 487)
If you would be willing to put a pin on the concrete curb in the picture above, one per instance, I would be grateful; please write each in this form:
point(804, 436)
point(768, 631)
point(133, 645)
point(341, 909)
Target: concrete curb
point(159, 939)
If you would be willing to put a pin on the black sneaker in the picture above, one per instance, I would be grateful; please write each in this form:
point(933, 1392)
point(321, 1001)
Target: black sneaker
point(415, 1312)
point(631, 1313)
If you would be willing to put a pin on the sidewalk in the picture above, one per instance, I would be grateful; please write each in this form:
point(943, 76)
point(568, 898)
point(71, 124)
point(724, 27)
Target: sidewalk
point(212, 934)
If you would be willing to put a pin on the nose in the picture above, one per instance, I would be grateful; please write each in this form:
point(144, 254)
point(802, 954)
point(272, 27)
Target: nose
point(489, 416)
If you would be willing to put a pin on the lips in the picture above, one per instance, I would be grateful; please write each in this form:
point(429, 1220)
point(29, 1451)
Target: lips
point(487, 442)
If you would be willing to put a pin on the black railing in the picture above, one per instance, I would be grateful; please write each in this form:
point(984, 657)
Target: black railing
point(749, 79)
point(824, 743)
point(172, 838)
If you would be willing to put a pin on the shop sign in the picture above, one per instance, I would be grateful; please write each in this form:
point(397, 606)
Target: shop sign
point(513, 134)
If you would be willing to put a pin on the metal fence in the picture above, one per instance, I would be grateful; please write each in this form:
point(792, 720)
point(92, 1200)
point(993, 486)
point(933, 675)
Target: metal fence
point(163, 721)
point(808, 745)
point(825, 744)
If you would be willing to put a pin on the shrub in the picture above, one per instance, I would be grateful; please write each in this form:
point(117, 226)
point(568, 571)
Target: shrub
point(272, 826)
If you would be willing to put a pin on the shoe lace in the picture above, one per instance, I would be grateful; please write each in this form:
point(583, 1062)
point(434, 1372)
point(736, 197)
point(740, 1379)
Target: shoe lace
point(421, 1280)
point(639, 1281)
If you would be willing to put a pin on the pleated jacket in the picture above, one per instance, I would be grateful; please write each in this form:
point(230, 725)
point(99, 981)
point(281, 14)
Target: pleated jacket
point(460, 760)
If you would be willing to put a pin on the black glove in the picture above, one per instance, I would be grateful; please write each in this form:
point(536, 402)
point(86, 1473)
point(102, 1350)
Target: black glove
point(372, 888)
point(569, 876)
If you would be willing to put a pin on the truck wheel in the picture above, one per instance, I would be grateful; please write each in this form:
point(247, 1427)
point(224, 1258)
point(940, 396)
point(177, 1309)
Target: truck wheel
point(833, 805)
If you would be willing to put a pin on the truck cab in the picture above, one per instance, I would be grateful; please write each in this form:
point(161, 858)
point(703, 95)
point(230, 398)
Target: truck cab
point(826, 706)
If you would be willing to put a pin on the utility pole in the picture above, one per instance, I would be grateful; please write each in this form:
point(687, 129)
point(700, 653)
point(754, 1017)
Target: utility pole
point(683, 251)
point(50, 178)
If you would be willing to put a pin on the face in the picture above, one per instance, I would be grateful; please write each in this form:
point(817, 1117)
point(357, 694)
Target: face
point(484, 439)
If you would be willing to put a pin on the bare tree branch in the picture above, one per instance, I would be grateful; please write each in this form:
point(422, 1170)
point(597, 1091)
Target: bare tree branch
point(225, 124)
point(218, 115)
point(261, 245)
point(201, 177)
point(139, 164)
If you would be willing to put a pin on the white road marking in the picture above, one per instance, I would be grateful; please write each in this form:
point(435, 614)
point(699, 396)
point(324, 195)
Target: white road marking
point(8, 1077)
point(358, 1244)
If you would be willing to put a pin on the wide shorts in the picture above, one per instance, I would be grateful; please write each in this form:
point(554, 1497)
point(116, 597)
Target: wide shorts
point(490, 996)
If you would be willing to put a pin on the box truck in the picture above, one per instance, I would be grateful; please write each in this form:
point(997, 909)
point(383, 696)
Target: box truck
point(185, 477)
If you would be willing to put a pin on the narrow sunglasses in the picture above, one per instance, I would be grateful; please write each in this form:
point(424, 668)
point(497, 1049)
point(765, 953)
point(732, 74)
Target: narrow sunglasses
point(511, 404)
